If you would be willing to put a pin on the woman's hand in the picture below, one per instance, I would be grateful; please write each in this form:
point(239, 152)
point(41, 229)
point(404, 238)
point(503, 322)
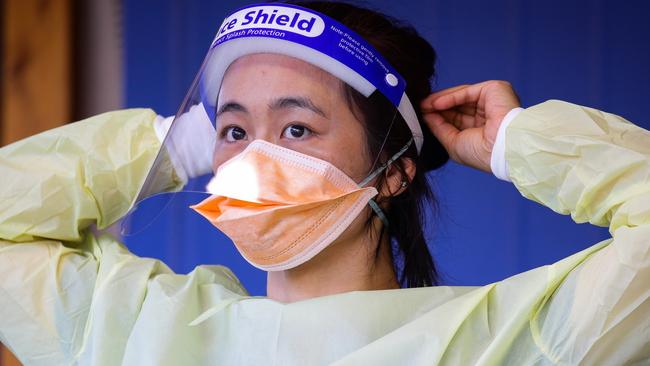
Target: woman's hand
point(466, 118)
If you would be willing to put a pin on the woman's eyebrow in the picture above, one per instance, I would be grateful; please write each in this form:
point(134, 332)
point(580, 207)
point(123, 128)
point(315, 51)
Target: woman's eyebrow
point(296, 102)
point(231, 107)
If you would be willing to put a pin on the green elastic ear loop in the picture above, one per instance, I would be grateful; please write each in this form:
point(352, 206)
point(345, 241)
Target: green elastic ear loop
point(373, 204)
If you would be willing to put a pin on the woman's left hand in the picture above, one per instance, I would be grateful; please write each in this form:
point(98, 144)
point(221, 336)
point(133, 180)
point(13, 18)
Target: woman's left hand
point(466, 119)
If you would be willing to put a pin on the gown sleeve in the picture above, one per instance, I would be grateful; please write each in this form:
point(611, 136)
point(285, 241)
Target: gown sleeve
point(594, 166)
point(53, 269)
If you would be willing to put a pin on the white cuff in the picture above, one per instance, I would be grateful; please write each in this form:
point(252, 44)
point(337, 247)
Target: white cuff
point(161, 125)
point(191, 144)
point(498, 162)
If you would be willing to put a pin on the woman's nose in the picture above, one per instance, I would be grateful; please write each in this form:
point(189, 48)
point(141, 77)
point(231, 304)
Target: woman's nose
point(266, 134)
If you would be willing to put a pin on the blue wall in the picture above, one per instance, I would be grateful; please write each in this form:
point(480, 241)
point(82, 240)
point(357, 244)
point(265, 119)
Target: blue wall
point(594, 53)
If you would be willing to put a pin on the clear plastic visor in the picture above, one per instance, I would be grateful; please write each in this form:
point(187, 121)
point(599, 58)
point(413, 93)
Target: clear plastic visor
point(276, 98)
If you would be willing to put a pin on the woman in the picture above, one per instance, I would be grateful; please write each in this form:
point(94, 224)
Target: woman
point(70, 296)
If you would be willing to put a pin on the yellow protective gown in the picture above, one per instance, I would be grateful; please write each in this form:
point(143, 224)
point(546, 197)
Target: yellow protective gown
point(68, 296)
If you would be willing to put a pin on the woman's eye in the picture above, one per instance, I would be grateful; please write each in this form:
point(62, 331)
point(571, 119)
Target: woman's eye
point(296, 132)
point(234, 133)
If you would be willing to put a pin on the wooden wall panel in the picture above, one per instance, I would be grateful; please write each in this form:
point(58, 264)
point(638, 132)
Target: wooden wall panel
point(36, 70)
point(36, 76)
point(6, 358)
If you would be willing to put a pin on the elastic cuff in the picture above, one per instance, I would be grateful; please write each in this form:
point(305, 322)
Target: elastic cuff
point(498, 162)
point(191, 144)
point(161, 125)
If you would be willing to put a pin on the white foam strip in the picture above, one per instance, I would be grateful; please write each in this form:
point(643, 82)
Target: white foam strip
point(226, 53)
point(405, 108)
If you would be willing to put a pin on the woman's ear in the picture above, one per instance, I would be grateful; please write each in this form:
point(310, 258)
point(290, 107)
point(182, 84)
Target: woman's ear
point(398, 176)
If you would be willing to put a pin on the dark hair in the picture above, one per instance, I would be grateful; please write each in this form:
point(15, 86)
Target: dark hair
point(414, 59)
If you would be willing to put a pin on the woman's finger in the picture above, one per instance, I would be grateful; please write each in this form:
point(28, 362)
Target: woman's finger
point(427, 103)
point(464, 94)
point(463, 118)
point(445, 132)
point(456, 98)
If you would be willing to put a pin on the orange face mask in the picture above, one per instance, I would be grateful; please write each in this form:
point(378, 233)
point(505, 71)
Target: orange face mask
point(281, 207)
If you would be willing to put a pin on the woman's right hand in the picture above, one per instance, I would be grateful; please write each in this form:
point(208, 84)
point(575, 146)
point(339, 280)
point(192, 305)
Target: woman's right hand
point(466, 119)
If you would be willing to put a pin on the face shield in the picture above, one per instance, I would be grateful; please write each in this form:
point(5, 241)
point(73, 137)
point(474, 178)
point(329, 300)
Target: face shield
point(274, 128)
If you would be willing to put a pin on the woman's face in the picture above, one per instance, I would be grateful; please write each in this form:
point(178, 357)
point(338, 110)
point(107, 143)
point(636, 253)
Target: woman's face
point(290, 103)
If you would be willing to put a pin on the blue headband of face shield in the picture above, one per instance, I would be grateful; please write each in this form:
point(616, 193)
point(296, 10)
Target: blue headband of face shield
point(312, 37)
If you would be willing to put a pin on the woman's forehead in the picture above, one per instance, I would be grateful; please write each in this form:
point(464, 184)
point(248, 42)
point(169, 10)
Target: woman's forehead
point(273, 60)
point(269, 75)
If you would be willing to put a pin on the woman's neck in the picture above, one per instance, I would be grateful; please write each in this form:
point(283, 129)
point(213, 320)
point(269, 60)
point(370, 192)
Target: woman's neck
point(351, 263)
